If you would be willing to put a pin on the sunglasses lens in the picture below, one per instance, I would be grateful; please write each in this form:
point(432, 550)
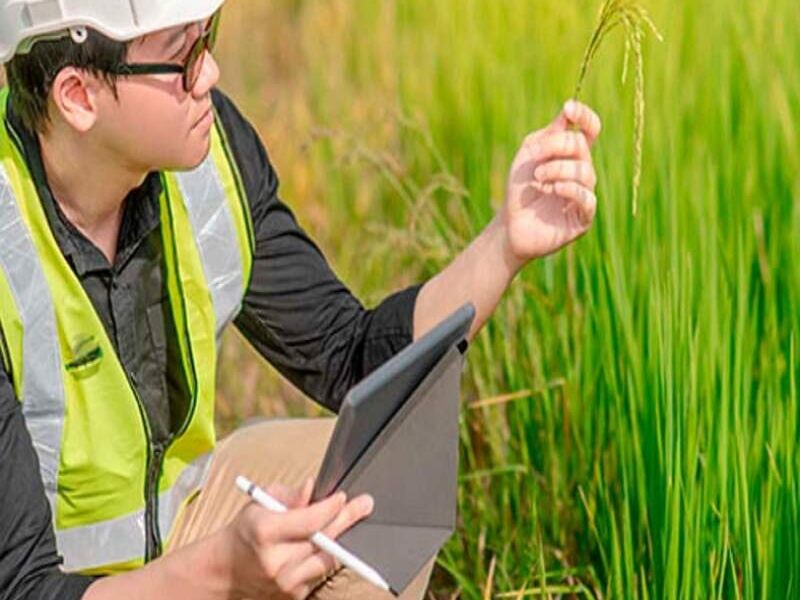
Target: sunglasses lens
point(213, 28)
point(194, 62)
point(194, 65)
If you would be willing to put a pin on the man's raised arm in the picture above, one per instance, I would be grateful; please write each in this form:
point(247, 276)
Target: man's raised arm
point(549, 203)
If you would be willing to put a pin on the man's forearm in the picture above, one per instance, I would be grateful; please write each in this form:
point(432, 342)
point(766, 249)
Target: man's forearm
point(480, 274)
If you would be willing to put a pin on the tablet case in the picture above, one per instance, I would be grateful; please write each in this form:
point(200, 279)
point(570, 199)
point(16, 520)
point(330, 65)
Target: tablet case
point(411, 471)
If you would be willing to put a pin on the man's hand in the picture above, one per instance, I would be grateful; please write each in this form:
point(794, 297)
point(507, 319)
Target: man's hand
point(550, 199)
point(272, 553)
point(549, 203)
point(261, 554)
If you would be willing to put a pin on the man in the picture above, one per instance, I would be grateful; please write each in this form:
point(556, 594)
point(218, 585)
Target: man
point(139, 216)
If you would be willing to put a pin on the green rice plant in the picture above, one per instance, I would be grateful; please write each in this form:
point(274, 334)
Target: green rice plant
point(635, 20)
point(632, 412)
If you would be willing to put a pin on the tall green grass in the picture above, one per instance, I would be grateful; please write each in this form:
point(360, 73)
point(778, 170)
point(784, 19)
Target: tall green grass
point(630, 426)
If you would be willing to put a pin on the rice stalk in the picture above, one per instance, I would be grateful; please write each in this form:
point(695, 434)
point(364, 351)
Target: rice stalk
point(635, 21)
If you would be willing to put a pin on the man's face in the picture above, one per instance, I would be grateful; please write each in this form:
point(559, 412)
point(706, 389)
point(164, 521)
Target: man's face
point(155, 124)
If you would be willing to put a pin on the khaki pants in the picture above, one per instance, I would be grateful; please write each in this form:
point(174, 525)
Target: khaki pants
point(274, 451)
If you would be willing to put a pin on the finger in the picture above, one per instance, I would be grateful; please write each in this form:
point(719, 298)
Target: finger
point(309, 489)
point(584, 198)
point(563, 145)
point(543, 188)
point(281, 493)
point(302, 523)
point(585, 118)
point(275, 558)
point(301, 592)
point(292, 497)
point(560, 123)
point(312, 568)
point(355, 510)
point(303, 494)
point(567, 170)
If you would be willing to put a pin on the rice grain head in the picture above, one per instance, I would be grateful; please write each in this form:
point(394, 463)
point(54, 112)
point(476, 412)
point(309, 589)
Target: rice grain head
point(635, 21)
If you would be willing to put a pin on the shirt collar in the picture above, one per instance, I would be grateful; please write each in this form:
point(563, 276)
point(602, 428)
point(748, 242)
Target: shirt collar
point(140, 217)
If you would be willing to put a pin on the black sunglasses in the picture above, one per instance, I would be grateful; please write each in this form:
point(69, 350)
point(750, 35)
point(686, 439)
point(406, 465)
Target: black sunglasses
point(192, 65)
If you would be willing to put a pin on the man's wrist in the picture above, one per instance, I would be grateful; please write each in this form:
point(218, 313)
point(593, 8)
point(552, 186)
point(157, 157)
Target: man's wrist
point(500, 242)
point(221, 563)
point(201, 571)
point(206, 566)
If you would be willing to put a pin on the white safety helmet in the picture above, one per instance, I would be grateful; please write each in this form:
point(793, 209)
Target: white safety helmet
point(22, 22)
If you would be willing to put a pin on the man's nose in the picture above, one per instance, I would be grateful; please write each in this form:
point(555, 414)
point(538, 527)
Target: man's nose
point(209, 76)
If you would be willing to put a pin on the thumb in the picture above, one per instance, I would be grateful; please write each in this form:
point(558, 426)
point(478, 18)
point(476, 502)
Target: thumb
point(559, 124)
point(302, 523)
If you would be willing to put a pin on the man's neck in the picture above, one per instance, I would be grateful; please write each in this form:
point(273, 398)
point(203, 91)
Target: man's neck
point(90, 185)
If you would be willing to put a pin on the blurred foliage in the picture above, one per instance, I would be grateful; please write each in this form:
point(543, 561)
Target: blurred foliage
point(631, 413)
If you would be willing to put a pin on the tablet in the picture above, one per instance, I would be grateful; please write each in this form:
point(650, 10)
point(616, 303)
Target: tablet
point(370, 405)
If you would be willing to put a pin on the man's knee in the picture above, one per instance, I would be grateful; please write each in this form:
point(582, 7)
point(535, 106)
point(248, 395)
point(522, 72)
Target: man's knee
point(275, 451)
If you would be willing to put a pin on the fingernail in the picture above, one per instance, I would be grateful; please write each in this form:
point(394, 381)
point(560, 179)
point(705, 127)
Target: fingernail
point(368, 504)
point(569, 106)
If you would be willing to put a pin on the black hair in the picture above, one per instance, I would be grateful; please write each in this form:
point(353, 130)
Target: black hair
point(31, 75)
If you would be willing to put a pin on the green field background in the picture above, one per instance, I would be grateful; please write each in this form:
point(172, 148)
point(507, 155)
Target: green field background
point(630, 421)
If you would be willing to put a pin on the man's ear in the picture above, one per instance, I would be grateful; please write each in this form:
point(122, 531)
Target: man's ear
point(74, 95)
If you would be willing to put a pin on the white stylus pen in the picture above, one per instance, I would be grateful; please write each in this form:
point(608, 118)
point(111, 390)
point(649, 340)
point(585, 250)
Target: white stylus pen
point(320, 540)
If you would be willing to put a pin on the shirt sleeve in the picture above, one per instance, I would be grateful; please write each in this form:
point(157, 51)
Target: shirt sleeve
point(297, 313)
point(29, 563)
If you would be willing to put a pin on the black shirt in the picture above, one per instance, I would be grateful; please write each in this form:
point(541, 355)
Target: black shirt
point(296, 313)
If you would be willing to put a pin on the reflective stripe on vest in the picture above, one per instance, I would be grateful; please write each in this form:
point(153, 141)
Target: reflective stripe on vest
point(40, 382)
point(214, 230)
point(116, 537)
point(208, 253)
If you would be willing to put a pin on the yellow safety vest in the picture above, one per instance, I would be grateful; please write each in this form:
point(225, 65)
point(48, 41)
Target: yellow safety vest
point(87, 423)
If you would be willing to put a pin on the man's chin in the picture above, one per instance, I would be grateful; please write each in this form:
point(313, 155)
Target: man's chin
point(189, 162)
